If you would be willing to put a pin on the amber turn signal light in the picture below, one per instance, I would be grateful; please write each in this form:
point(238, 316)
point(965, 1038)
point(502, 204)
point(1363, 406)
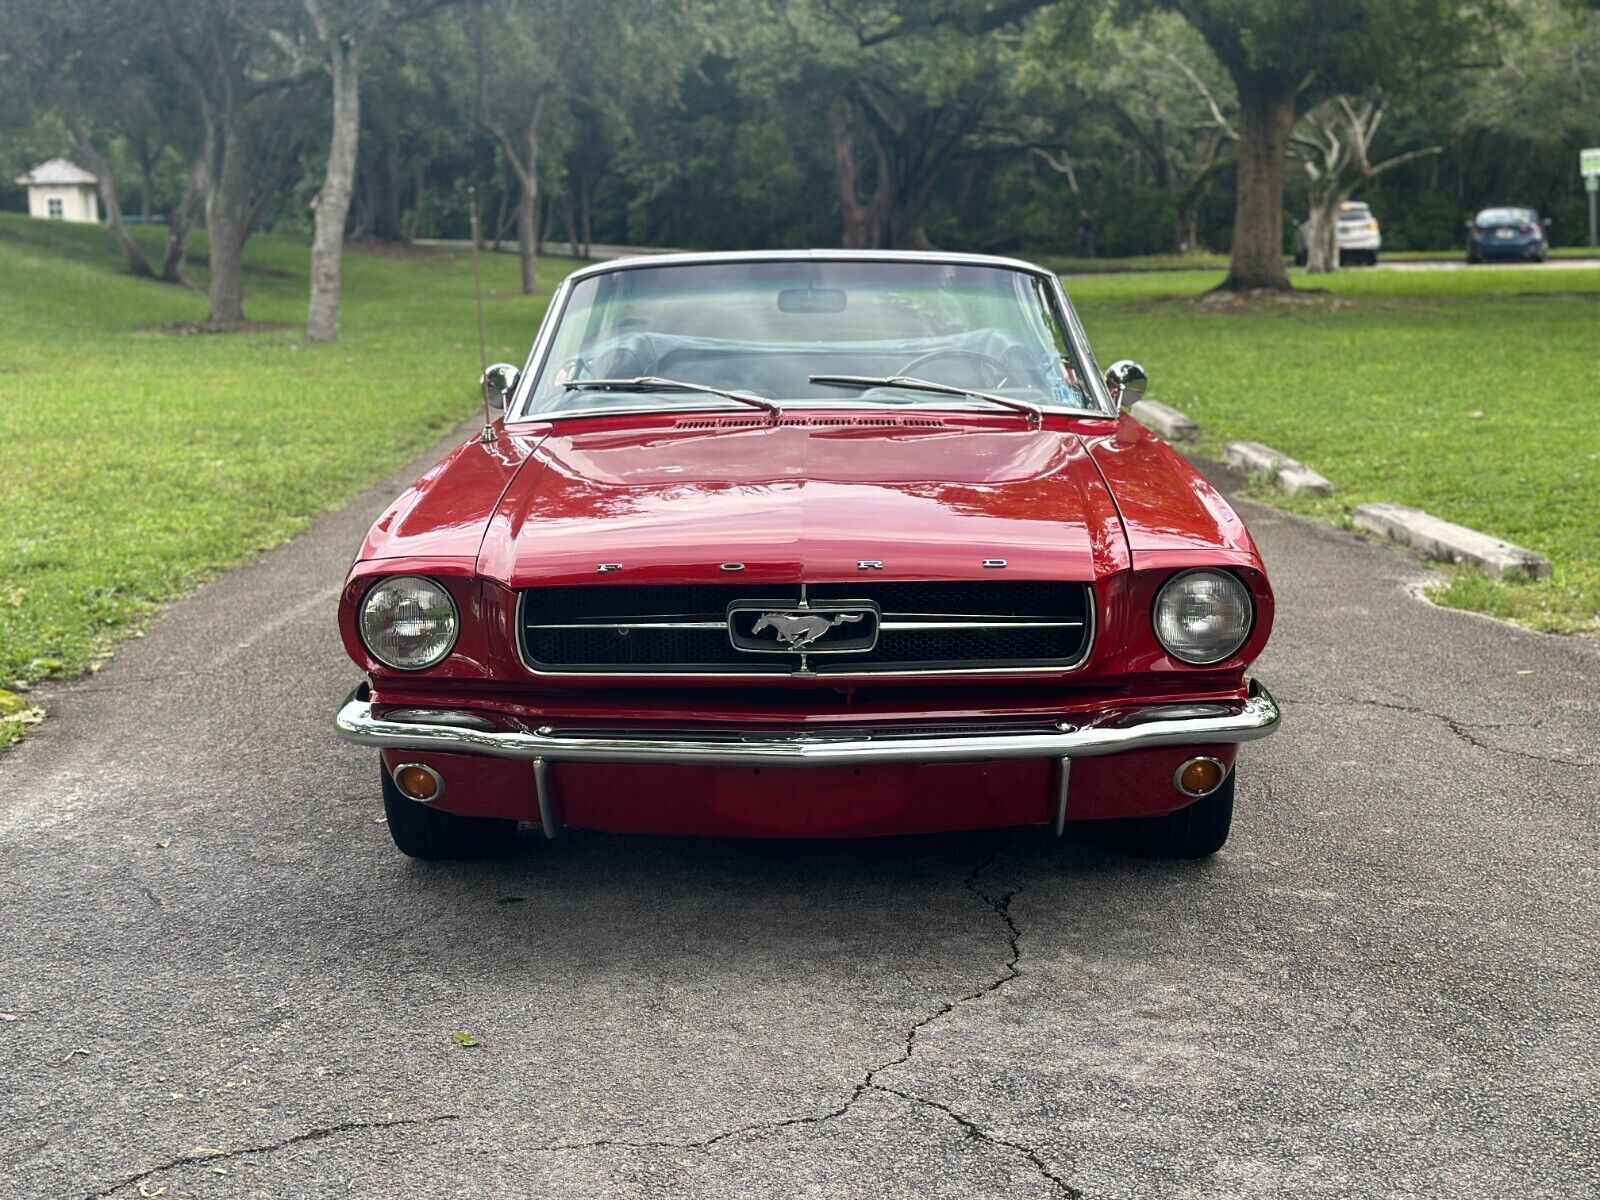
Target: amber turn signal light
point(1200, 776)
point(417, 782)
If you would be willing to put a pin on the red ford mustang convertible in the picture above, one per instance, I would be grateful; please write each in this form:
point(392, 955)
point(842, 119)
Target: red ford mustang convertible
point(808, 545)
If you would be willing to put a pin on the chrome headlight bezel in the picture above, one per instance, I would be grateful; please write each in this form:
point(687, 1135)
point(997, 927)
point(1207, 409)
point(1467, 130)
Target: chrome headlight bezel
point(1221, 651)
point(420, 585)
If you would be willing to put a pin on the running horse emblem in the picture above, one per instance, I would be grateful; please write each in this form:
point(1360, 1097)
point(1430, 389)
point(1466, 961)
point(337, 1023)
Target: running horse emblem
point(799, 630)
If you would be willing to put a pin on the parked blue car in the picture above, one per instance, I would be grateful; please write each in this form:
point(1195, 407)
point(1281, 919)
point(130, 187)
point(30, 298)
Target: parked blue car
point(1507, 233)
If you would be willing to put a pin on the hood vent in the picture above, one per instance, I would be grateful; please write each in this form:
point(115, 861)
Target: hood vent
point(813, 422)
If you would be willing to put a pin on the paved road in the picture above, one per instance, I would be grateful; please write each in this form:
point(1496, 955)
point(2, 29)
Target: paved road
point(225, 982)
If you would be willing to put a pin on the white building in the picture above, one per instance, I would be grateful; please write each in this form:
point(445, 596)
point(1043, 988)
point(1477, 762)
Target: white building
point(59, 190)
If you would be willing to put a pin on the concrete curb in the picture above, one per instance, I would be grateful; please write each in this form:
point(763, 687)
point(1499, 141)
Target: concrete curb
point(1444, 541)
point(1165, 421)
point(1291, 475)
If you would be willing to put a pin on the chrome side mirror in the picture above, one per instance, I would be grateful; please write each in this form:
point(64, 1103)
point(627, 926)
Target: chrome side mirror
point(1127, 382)
point(498, 382)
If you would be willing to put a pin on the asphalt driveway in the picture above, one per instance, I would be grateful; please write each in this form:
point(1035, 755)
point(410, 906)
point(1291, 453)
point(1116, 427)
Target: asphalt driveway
point(218, 978)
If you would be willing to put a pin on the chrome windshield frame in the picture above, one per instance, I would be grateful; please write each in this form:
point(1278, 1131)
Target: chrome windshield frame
point(517, 410)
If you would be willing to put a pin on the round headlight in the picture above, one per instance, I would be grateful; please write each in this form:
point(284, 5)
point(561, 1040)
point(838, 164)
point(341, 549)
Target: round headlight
point(409, 623)
point(1203, 616)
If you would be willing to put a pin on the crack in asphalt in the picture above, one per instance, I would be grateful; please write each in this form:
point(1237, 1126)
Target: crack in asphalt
point(1001, 907)
point(311, 1135)
point(1462, 729)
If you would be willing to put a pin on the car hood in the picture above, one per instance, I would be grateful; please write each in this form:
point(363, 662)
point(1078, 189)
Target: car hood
point(811, 498)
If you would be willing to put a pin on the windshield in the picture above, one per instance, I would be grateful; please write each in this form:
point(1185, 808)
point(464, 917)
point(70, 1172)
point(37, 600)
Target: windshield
point(1489, 218)
point(766, 327)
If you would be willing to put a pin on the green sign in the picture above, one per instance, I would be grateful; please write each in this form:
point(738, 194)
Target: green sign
point(1589, 161)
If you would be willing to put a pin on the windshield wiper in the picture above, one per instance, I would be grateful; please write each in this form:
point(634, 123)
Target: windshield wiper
point(653, 383)
point(1033, 412)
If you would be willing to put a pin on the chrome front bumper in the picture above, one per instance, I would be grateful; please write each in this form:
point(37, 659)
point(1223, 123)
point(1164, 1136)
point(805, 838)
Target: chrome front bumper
point(1140, 729)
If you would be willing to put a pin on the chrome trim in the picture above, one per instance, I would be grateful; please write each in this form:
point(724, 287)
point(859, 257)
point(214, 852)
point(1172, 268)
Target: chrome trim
point(1177, 776)
point(1001, 623)
point(426, 770)
point(544, 792)
point(633, 625)
point(1094, 385)
point(1257, 717)
point(935, 673)
point(1063, 789)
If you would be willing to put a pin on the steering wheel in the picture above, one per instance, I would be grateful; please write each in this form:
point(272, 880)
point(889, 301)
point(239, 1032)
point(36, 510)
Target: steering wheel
point(1014, 367)
point(991, 371)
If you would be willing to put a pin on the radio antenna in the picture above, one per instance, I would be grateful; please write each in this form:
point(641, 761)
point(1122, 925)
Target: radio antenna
point(477, 284)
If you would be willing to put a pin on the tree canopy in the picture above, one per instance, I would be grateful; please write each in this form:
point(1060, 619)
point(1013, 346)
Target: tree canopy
point(1161, 126)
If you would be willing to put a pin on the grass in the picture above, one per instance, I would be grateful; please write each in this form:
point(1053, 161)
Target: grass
point(1472, 394)
point(135, 463)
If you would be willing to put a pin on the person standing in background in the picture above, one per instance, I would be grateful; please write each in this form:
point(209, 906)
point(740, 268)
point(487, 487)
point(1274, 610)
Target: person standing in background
point(1085, 234)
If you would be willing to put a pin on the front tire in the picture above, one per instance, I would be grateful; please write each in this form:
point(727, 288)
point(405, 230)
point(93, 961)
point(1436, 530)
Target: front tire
point(1196, 831)
point(431, 833)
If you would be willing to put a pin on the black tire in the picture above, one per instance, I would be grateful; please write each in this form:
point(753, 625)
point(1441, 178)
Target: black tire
point(1198, 831)
point(430, 833)
point(1372, 259)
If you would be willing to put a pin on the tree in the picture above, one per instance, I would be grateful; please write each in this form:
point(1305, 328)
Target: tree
point(1286, 55)
point(342, 33)
point(74, 55)
point(1334, 145)
point(534, 60)
point(244, 62)
point(911, 87)
point(1149, 92)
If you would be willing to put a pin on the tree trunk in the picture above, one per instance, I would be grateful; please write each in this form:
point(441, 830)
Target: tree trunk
point(572, 227)
point(1322, 230)
point(146, 171)
point(1266, 118)
point(228, 222)
point(1186, 227)
point(861, 226)
point(175, 262)
point(338, 184)
point(419, 189)
point(527, 236)
point(132, 255)
point(528, 203)
point(384, 194)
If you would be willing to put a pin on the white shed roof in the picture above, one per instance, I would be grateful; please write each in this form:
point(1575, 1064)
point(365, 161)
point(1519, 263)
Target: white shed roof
point(57, 171)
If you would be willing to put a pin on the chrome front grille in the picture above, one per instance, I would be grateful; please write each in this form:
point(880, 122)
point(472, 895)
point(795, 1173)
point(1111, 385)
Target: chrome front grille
point(632, 629)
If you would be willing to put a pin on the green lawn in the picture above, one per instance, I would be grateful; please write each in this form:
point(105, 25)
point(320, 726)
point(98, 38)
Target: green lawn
point(136, 462)
point(1472, 394)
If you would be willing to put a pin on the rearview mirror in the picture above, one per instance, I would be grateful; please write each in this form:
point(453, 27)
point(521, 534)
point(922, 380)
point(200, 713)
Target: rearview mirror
point(1126, 381)
point(498, 382)
point(812, 300)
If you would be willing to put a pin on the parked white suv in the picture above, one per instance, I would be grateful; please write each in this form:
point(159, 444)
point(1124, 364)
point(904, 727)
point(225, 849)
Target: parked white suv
point(1359, 237)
